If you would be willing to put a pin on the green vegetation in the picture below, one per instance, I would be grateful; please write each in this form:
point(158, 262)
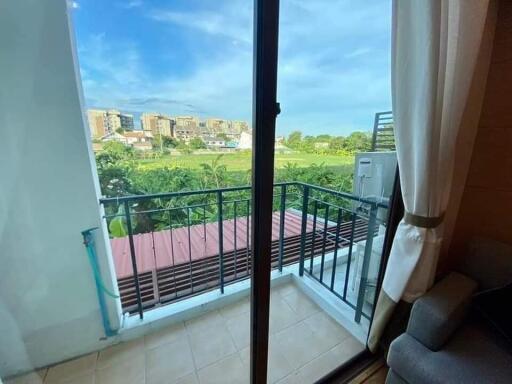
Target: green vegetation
point(172, 167)
point(326, 144)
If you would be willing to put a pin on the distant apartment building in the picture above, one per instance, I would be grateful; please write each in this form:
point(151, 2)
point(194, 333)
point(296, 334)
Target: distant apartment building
point(97, 122)
point(232, 129)
point(239, 126)
point(140, 140)
point(187, 127)
point(102, 122)
point(216, 126)
point(214, 142)
point(157, 124)
point(116, 120)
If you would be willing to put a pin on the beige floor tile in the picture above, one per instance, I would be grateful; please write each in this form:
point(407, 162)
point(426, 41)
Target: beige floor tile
point(292, 378)
point(71, 369)
point(236, 309)
point(240, 328)
point(86, 378)
point(169, 362)
point(165, 335)
point(211, 345)
point(328, 333)
point(317, 368)
point(301, 304)
point(228, 370)
point(35, 377)
point(298, 344)
point(285, 289)
point(120, 352)
point(278, 366)
point(281, 315)
point(128, 371)
point(189, 379)
point(203, 322)
point(347, 349)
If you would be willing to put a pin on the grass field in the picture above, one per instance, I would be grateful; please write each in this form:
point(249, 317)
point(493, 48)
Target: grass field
point(242, 161)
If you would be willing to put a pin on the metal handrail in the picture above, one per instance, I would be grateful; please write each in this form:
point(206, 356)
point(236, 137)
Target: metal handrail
point(132, 198)
point(321, 235)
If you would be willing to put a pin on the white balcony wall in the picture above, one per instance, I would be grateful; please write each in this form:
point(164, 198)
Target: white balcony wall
point(48, 194)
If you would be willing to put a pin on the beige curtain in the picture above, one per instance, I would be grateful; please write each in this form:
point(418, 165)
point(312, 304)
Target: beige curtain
point(436, 45)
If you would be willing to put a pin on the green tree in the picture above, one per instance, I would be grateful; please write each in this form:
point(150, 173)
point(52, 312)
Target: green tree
point(294, 140)
point(358, 142)
point(197, 143)
point(214, 173)
point(112, 153)
point(222, 136)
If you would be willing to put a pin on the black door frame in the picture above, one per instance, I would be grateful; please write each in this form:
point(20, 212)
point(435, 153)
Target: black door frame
point(265, 110)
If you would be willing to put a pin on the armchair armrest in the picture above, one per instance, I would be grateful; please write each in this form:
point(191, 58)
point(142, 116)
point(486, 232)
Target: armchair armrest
point(436, 315)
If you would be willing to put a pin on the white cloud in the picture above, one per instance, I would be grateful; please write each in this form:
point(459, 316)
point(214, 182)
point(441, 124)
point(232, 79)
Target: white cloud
point(232, 21)
point(131, 4)
point(333, 66)
point(357, 52)
point(73, 4)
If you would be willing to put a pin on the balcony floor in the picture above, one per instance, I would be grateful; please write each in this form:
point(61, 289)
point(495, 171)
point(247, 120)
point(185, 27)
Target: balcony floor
point(305, 344)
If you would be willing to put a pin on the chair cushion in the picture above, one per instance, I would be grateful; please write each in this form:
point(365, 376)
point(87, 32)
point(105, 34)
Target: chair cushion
point(471, 356)
point(493, 306)
point(436, 315)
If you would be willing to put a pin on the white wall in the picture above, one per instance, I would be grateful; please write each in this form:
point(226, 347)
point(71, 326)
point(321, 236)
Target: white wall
point(48, 194)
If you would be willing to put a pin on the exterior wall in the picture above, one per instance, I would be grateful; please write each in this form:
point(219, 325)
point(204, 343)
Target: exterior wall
point(157, 124)
point(97, 122)
point(486, 204)
point(127, 122)
point(49, 311)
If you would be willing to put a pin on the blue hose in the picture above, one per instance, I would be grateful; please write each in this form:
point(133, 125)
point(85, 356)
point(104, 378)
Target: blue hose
point(100, 286)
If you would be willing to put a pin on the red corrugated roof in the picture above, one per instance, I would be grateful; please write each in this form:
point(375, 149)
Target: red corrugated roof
point(153, 250)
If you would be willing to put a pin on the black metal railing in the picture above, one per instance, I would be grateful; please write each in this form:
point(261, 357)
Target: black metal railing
point(174, 245)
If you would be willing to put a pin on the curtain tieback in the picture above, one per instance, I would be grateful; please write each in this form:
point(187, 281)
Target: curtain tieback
point(423, 221)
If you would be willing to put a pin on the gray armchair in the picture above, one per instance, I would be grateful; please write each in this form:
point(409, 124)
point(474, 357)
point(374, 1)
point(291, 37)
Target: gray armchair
point(442, 344)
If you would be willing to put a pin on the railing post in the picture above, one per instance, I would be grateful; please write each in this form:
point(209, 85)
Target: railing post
point(336, 246)
point(366, 262)
point(305, 204)
point(221, 240)
point(349, 257)
point(326, 222)
point(134, 260)
point(281, 227)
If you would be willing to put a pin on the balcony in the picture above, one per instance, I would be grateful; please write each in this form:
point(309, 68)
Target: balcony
point(172, 250)
point(187, 293)
point(305, 343)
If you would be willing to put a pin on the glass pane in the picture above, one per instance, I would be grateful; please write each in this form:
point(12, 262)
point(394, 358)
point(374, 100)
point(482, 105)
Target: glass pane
point(161, 292)
point(331, 211)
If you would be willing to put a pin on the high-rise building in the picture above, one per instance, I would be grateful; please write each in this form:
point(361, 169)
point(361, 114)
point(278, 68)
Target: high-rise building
point(215, 126)
point(158, 124)
point(187, 127)
point(102, 122)
point(239, 126)
point(97, 119)
point(116, 120)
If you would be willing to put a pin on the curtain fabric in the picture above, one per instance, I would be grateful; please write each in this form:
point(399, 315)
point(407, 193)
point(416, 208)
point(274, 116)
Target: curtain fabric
point(435, 47)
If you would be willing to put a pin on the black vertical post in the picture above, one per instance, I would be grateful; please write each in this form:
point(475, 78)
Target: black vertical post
point(282, 209)
point(304, 228)
point(221, 239)
point(322, 262)
point(134, 260)
point(349, 257)
point(235, 239)
point(336, 247)
point(265, 110)
point(372, 221)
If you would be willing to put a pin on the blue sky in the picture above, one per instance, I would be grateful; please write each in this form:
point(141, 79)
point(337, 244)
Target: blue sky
point(194, 57)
